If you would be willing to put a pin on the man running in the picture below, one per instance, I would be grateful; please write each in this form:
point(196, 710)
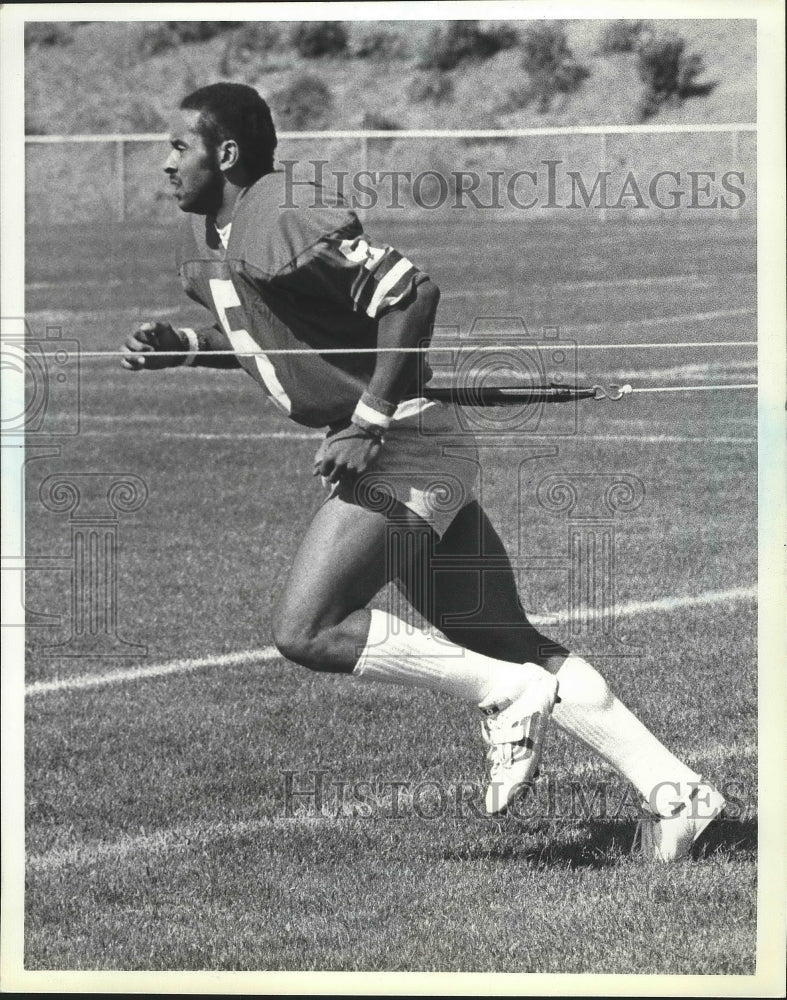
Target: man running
point(281, 272)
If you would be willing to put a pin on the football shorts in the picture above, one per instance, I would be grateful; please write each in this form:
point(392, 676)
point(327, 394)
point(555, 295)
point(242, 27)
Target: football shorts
point(428, 463)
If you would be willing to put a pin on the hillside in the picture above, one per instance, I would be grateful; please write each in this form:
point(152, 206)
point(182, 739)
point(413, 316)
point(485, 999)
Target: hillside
point(105, 77)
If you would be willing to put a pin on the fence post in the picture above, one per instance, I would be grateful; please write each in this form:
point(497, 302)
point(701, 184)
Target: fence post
point(602, 212)
point(120, 180)
point(365, 167)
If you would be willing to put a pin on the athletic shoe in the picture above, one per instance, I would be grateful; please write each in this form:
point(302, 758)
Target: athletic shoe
point(514, 731)
point(670, 838)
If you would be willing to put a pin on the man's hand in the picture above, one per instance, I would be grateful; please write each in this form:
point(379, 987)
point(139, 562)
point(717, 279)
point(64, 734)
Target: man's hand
point(346, 454)
point(139, 350)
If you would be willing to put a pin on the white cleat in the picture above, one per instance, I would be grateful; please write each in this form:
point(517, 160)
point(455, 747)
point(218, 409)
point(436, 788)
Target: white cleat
point(670, 838)
point(515, 731)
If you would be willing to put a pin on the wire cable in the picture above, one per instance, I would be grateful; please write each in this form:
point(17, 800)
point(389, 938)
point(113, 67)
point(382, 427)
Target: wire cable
point(457, 349)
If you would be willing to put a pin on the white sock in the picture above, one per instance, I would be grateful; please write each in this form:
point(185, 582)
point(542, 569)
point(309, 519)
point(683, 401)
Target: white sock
point(397, 653)
point(590, 711)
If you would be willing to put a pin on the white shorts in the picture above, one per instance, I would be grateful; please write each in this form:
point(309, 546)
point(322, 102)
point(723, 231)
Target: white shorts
point(428, 463)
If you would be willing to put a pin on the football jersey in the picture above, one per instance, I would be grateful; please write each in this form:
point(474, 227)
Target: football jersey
point(298, 272)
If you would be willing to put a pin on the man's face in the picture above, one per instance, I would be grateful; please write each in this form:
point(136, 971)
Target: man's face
point(193, 168)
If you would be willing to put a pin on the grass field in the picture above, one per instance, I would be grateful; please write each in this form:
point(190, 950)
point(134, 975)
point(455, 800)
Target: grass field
point(159, 830)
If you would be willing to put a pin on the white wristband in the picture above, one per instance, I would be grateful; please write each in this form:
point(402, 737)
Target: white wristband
point(366, 415)
point(192, 343)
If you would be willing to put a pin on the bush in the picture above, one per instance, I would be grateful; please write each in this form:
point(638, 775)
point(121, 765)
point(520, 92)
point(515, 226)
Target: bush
point(256, 38)
point(303, 104)
point(374, 120)
point(621, 36)
point(499, 38)
point(669, 72)
point(312, 39)
point(379, 44)
point(259, 37)
point(459, 41)
point(139, 115)
point(433, 87)
point(48, 33)
point(550, 64)
point(161, 36)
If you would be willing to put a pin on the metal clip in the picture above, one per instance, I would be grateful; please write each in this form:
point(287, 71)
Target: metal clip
point(613, 392)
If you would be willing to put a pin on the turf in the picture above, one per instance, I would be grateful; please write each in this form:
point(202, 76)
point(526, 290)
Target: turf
point(160, 834)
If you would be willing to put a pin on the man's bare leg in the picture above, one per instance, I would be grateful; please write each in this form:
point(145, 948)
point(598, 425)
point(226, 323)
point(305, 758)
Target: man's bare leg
point(495, 623)
point(322, 622)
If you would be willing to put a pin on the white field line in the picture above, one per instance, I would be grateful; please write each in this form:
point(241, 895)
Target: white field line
point(704, 280)
point(716, 754)
point(166, 279)
point(646, 321)
point(295, 436)
point(75, 315)
point(193, 836)
point(185, 837)
point(666, 439)
point(679, 371)
point(267, 653)
point(604, 371)
point(49, 315)
point(81, 681)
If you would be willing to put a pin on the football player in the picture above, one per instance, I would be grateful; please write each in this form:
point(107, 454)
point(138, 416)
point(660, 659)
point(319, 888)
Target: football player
point(290, 269)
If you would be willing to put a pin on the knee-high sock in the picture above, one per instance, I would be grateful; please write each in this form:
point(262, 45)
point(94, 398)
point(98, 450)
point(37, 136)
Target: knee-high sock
point(591, 712)
point(396, 653)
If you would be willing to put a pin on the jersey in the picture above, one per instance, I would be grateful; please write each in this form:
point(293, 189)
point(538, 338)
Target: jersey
point(296, 276)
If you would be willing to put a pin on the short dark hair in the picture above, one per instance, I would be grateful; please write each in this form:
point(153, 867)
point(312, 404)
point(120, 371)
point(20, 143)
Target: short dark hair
point(235, 111)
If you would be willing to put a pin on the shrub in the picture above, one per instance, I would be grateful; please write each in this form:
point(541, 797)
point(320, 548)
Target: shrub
point(48, 33)
point(160, 36)
point(312, 39)
point(256, 38)
point(500, 37)
point(621, 36)
point(374, 120)
point(379, 44)
point(550, 64)
point(669, 72)
point(433, 87)
point(303, 103)
point(458, 41)
point(139, 115)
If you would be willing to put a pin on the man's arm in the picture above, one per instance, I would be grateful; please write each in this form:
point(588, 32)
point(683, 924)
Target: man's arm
point(351, 451)
point(142, 346)
point(395, 373)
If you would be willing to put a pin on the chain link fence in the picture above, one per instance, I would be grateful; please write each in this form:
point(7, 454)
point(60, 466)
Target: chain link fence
point(636, 172)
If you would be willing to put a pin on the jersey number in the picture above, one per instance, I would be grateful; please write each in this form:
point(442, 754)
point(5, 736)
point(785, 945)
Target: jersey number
point(226, 298)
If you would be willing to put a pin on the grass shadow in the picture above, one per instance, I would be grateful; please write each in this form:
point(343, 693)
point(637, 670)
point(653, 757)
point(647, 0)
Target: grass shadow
point(602, 843)
point(598, 844)
point(729, 836)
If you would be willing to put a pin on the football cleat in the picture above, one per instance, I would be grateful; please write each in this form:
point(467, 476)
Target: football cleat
point(670, 838)
point(514, 732)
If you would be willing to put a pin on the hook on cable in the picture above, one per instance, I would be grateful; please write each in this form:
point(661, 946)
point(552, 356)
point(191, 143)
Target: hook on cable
point(613, 392)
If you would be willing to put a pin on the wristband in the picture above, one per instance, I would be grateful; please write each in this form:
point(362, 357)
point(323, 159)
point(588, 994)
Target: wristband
point(373, 414)
point(191, 343)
